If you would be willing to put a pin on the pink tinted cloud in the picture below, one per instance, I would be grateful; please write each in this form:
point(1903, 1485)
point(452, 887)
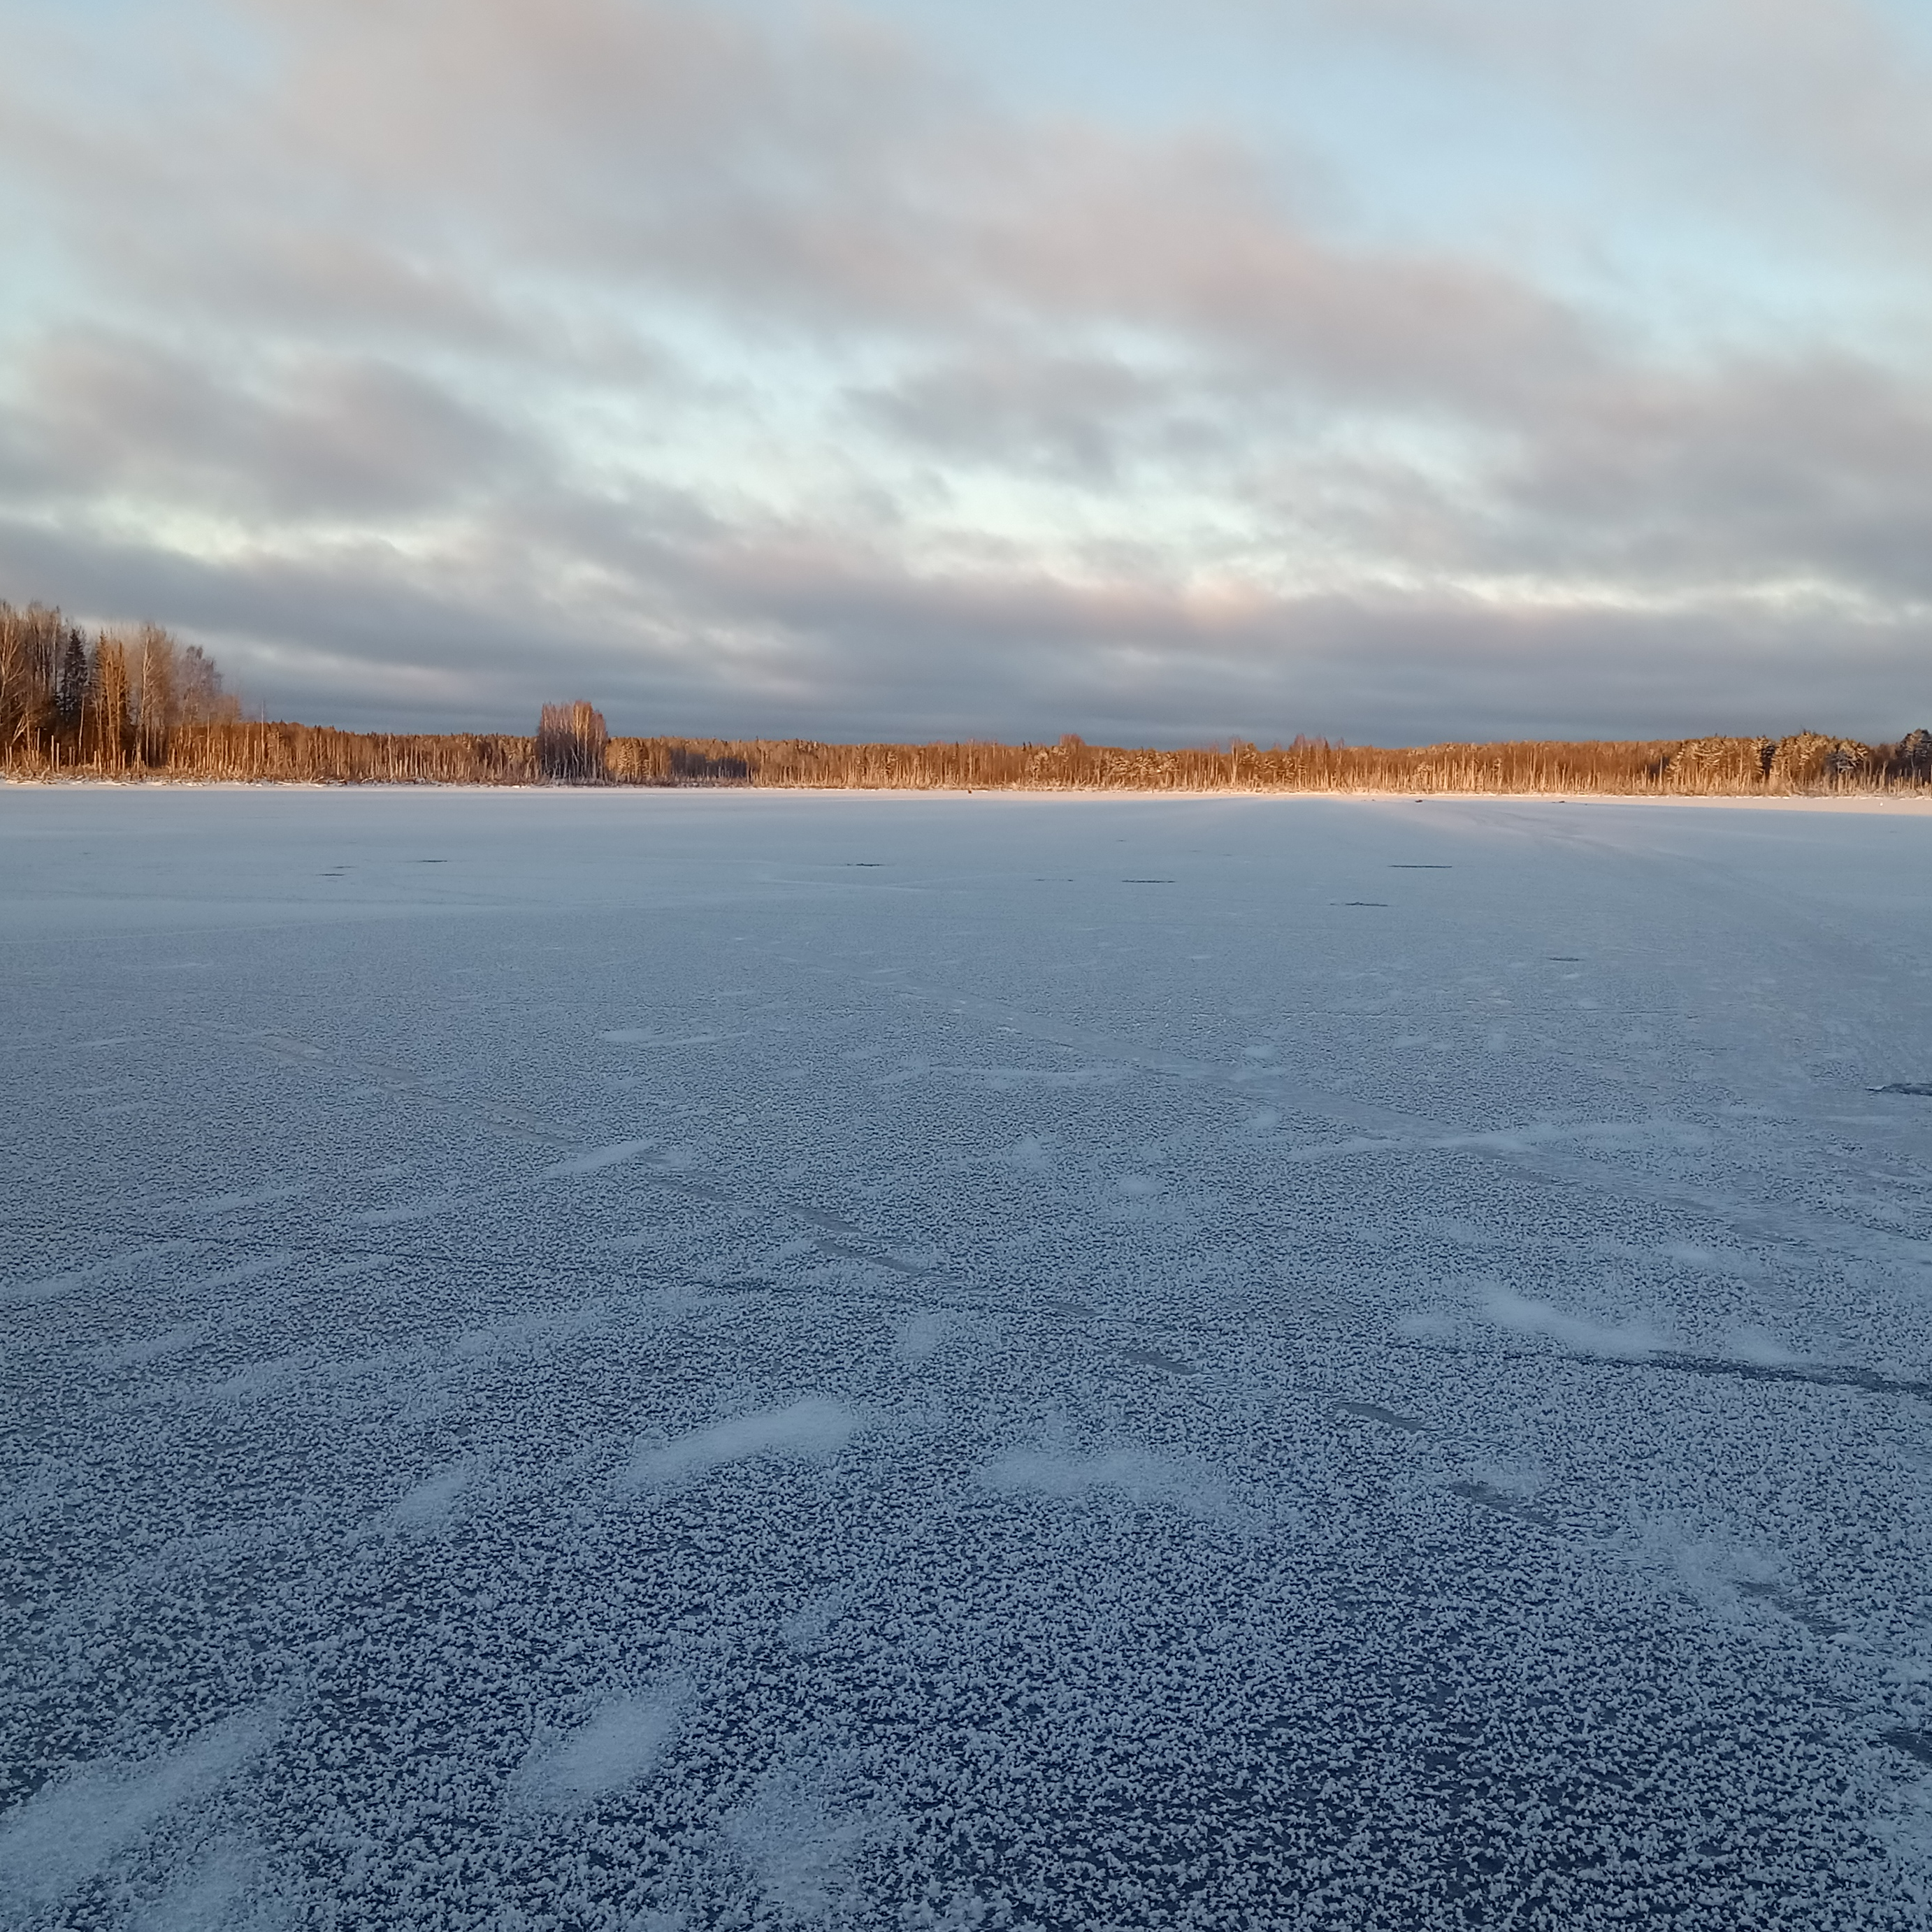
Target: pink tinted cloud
point(401, 273)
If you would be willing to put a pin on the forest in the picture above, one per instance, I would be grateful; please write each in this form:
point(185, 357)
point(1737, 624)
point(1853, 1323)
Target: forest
point(137, 704)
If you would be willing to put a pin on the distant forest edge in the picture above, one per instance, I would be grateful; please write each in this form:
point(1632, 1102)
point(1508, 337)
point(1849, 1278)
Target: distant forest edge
point(137, 704)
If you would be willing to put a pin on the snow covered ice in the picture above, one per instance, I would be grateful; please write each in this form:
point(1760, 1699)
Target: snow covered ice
point(690, 1360)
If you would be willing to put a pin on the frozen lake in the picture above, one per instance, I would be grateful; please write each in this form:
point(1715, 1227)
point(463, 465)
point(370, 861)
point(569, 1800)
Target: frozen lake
point(693, 1360)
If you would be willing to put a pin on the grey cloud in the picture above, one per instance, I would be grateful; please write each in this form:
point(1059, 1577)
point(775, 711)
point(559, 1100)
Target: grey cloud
point(330, 284)
point(817, 639)
point(1809, 115)
point(1818, 468)
point(1079, 416)
point(831, 181)
point(319, 434)
point(1176, 666)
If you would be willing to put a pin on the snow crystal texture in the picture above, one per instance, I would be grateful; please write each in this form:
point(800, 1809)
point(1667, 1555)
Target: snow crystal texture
point(689, 1359)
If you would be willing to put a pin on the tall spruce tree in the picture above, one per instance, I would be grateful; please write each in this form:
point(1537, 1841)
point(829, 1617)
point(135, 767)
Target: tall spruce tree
point(70, 689)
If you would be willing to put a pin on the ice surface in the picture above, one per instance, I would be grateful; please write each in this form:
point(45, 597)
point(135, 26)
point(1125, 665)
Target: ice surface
point(812, 1428)
point(617, 1748)
point(75, 1824)
point(736, 1360)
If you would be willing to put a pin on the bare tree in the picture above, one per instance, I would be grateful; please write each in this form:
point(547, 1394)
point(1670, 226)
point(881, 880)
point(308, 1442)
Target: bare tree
point(104, 730)
point(152, 679)
point(570, 741)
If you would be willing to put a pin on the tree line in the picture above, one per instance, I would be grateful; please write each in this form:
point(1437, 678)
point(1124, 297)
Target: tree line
point(1808, 762)
point(120, 701)
point(138, 703)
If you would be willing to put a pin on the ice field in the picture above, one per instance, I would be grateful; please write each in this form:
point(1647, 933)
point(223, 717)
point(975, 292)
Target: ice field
point(722, 1360)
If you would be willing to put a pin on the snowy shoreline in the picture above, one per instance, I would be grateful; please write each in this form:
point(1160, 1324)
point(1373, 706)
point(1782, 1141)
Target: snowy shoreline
point(1908, 804)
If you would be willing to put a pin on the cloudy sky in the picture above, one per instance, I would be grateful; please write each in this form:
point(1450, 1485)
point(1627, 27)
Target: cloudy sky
point(1160, 369)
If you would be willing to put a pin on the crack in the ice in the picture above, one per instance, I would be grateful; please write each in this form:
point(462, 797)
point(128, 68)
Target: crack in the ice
point(1870, 1381)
